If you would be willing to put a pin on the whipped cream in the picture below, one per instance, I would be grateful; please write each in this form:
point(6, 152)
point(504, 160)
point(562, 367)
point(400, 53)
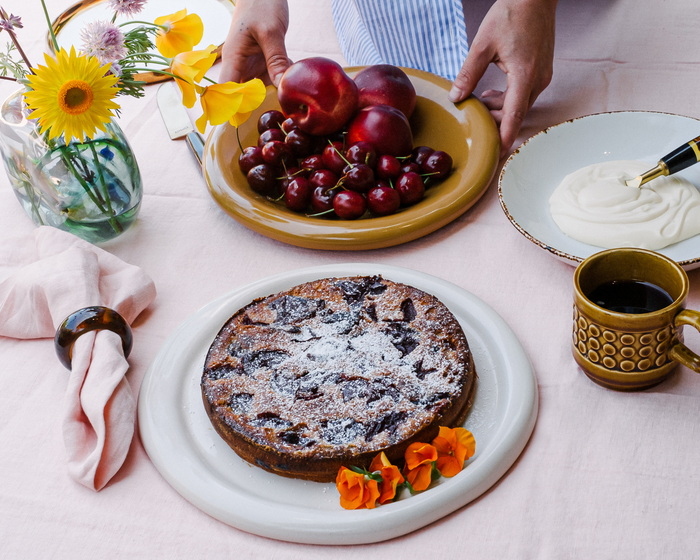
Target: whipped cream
point(593, 205)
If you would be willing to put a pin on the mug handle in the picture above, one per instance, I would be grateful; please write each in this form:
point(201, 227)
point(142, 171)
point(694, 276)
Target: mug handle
point(680, 352)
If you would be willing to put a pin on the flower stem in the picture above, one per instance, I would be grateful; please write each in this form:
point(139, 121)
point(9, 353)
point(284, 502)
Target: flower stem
point(17, 45)
point(149, 23)
point(69, 164)
point(112, 218)
point(136, 56)
point(48, 21)
point(156, 71)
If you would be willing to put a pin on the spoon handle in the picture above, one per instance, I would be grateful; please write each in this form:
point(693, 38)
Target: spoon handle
point(685, 156)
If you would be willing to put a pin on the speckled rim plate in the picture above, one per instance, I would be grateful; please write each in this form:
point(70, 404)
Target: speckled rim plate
point(465, 130)
point(533, 172)
point(186, 450)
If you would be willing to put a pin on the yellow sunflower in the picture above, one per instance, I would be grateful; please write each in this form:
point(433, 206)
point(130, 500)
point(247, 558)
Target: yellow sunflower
point(71, 95)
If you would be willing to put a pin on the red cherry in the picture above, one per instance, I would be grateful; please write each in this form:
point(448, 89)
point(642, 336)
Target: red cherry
point(383, 200)
point(270, 135)
point(349, 205)
point(388, 167)
point(279, 154)
point(322, 199)
point(270, 120)
point(439, 163)
point(410, 167)
point(284, 180)
point(362, 152)
point(288, 125)
point(420, 154)
point(299, 141)
point(323, 178)
point(313, 162)
point(358, 177)
point(410, 187)
point(298, 194)
point(263, 179)
point(249, 158)
point(332, 158)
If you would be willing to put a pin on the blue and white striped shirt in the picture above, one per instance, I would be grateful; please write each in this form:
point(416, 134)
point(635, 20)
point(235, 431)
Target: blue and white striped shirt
point(428, 35)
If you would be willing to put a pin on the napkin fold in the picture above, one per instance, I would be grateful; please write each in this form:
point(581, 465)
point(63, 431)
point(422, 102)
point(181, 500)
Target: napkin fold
point(46, 276)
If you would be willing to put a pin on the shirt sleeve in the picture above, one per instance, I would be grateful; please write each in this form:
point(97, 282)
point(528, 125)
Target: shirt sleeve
point(427, 35)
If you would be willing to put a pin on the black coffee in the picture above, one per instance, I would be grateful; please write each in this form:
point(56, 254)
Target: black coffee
point(628, 296)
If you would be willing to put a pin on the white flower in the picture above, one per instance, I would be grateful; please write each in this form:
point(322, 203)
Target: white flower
point(127, 8)
point(104, 41)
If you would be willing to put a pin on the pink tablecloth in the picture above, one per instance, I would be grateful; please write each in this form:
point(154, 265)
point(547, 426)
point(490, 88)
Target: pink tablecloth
point(605, 475)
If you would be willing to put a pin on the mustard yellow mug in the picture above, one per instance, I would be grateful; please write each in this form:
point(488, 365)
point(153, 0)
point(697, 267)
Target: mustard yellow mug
point(629, 310)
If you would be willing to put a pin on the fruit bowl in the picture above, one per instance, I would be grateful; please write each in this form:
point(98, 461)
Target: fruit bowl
point(465, 130)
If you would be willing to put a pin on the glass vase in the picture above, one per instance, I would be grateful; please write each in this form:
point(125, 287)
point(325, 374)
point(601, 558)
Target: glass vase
point(91, 189)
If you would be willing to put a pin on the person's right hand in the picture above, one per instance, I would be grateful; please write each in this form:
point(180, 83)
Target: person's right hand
point(255, 47)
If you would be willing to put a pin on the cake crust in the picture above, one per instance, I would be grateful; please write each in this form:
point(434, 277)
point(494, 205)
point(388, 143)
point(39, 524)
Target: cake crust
point(331, 372)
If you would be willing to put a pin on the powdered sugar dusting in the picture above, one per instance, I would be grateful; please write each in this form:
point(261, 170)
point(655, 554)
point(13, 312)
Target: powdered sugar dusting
point(339, 364)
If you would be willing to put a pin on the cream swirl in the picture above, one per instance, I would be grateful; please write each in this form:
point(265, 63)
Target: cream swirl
point(595, 206)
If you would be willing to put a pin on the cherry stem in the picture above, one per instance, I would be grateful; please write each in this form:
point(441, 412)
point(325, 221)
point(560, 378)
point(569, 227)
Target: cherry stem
point(321, 213)
point(341, 155)
point(292, 175)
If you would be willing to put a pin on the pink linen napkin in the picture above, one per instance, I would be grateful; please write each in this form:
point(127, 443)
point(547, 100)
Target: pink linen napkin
point(46, 276)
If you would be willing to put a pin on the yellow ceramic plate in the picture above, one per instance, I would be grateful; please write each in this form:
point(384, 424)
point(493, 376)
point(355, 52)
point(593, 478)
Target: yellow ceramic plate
point(466, 131)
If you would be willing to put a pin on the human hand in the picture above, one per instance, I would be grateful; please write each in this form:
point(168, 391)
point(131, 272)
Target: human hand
point(254, 47)
point(517, 36)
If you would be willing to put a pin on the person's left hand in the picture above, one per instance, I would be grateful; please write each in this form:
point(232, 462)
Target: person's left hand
point(517, 36)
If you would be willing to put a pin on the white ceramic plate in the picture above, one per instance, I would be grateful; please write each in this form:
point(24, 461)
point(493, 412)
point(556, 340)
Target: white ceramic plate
point(534, 170)
point(184, 447)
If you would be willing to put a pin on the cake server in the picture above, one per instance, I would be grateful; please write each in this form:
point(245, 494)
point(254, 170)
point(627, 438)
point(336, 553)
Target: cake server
point(176, 119)
point(680, 158)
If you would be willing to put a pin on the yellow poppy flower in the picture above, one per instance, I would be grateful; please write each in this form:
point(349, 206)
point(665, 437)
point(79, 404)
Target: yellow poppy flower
point(229, 102)
point(71, 95)
point(190, 67)
point(182, 32)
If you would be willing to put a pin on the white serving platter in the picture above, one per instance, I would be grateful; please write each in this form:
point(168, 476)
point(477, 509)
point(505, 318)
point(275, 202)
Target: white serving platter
point(187, 451)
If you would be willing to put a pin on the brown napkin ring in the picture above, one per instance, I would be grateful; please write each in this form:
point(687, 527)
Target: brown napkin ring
point(86, 320)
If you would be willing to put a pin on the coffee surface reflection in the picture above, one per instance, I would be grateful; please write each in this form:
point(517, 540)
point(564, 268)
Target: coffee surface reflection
point(629, 296)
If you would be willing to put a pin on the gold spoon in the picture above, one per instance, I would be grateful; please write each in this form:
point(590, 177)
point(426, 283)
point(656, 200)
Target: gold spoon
point(680, 158)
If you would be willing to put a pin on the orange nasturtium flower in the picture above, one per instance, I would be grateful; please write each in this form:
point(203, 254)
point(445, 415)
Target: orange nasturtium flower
point(179, 33)
point(356, 490)
point(391, 477)
point(454, 446)
point(190, 67)
point(229, 102)
point(419, 465)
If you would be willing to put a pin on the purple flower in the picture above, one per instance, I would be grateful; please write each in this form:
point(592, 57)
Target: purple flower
point(11, 23)
point(104, 41)
point(127, 8)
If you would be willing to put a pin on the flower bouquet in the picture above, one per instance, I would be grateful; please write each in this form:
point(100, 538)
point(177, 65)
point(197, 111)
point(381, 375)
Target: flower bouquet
point(69, 163)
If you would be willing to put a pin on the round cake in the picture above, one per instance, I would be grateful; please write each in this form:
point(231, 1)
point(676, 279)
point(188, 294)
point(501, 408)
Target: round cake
point(331, 372)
